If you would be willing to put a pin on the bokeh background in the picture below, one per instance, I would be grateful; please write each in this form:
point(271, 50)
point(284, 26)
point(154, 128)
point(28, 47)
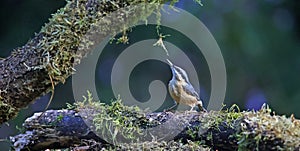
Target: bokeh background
point(259, 42)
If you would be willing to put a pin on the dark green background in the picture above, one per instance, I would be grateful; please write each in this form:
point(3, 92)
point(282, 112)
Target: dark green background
point(259, 42)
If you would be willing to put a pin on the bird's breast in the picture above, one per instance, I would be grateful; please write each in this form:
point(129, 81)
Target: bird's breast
point(179, 95)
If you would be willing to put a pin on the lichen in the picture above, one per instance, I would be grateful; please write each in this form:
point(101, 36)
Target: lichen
point(146, 146)
point(226, 117)
point(214, 122)
point(262, 126)
point(71, 31)
point(69, 36)
point(115, 122)
point(163, 145)
point(7, 111)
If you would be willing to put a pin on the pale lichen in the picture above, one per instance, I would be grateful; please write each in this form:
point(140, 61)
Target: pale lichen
point(115, 122)
point(264, 126)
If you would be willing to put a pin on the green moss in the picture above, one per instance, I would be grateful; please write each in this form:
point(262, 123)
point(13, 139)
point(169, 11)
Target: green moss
point(192, 133)
point(70, 33)
point(7, 111)
point(163, 145)
point(59, 118)
point(259, 127)
point(226, 117)
point(116, 122)
point(71, 106)
point(213, 121)
point(148, 146)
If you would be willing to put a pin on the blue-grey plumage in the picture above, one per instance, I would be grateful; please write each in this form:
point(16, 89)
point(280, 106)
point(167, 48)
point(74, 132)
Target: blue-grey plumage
point(181, 90)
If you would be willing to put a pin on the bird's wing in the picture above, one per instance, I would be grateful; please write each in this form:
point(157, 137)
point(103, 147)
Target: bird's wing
point(189, 89)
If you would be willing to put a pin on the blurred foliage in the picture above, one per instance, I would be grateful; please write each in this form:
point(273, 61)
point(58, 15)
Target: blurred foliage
point(259, 42)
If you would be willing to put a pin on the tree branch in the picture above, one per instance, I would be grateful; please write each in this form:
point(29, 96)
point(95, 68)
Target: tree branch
point(224, 130)
point(70, 34)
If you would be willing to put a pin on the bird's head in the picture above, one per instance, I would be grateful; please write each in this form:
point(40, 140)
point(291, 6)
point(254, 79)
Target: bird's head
point(178, 73)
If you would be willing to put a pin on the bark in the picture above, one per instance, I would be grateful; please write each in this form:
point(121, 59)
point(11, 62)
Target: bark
point(223, 130)
point(71, 33)
point(50, 56)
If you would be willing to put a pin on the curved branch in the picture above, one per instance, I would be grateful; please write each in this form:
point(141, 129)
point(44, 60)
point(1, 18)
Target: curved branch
point(61, 43)
point(217, 130)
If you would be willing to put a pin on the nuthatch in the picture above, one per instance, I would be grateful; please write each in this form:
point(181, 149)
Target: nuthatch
point(181, 90)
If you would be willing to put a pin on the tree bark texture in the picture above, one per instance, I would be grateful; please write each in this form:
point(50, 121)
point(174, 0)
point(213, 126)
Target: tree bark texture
point(50, 56)
point(223, 130)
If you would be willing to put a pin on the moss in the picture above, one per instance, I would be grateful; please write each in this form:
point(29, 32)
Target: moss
point(116, 122)
point(226, 117)
point(147, 146)
point(69, 35)
point(162, 145)
point(61, 44)
point(7, 111)
point(73, 31)
point(264, 126)
point(215, 122)
point(59, 117)
point(70, 31)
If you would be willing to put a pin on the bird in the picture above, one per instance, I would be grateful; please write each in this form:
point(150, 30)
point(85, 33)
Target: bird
point(181, 90)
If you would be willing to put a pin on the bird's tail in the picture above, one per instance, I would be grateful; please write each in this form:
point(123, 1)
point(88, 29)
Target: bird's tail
point(201, 108)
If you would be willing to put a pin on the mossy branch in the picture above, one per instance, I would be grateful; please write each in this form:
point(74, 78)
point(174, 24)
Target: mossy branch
point(217, 130)
point(68, 36)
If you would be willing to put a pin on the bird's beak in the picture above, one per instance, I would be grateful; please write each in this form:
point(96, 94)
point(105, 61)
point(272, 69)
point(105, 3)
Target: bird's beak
point(170, 63)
